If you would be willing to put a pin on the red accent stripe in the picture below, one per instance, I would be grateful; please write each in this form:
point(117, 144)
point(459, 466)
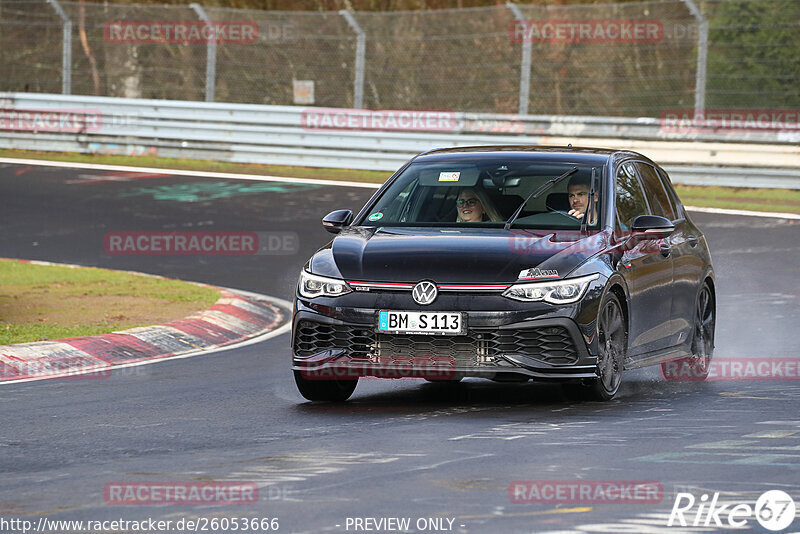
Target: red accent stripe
point(378, 284)
point(440, 286)
point(467, 286)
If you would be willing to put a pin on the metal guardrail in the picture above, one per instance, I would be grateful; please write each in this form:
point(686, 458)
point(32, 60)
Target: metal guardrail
point(278, 135)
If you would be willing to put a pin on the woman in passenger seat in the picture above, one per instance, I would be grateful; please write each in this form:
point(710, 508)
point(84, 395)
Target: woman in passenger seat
point(473, 206)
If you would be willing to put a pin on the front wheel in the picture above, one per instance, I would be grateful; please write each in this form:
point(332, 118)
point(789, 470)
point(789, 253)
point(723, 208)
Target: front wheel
point(324, 390)
point(612, 343)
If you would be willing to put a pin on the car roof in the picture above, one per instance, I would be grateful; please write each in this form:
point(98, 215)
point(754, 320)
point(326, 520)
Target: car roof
point(545, 153)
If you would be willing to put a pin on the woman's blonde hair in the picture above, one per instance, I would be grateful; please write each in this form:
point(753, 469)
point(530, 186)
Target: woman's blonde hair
point(488, 207)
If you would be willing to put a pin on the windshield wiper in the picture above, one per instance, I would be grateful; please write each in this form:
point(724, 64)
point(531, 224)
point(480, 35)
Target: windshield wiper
point(547, 185)
point(590, 206)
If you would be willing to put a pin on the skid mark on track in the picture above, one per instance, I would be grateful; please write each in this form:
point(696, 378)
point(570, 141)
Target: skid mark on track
point(295, 468)
point(114, 177)
point(780, 447)
point(203, 191)
point(511, 431)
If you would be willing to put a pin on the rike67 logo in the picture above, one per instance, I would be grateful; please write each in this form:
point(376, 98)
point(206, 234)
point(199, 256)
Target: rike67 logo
point(774, 510)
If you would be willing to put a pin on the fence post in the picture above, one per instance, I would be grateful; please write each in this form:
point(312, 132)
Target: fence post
point(525, 65)
point(211, 53)
point(361, 48)
point(66, 48)
point(702, 58)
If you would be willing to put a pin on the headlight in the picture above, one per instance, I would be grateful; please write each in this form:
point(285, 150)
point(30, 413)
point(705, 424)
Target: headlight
point(560, 292)
point(312, 286)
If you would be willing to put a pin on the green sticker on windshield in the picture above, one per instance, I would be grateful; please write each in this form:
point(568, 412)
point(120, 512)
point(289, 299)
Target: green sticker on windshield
point(375, 216)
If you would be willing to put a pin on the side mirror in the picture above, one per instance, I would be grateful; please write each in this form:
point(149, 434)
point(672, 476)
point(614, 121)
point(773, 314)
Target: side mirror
point(335, 220)
point(651, 227)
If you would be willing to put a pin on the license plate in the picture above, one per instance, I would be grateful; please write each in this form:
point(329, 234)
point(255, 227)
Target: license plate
point(409, 322)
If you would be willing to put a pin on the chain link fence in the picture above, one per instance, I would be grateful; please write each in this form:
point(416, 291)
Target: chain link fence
point(633, 59)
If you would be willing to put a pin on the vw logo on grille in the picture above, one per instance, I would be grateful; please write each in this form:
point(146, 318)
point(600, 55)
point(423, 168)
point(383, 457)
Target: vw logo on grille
point(424, 292)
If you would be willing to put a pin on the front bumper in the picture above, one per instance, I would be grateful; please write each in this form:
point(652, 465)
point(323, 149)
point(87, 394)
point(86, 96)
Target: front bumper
point(330, 342)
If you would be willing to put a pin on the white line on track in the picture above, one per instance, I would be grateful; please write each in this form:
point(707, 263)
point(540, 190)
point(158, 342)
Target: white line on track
point(775, 215)
point(260, 178)
point(183, 172)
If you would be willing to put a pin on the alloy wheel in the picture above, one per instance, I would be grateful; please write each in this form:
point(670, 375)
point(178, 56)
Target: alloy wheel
point(703, 342)
point(611, 341)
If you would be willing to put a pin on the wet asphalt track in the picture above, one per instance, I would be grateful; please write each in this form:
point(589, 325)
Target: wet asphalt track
point(399, 448)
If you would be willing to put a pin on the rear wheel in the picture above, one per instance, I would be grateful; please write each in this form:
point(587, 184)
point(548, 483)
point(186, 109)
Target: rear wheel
point(325, 390)
point(697, 366)
point(612, 342)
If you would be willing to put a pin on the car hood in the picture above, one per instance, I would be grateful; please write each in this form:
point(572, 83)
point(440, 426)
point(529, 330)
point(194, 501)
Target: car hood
point(450, 255)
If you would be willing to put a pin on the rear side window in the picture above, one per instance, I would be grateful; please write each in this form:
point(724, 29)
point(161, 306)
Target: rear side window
point(629, 195)
point(673, 196)
point(660, 203)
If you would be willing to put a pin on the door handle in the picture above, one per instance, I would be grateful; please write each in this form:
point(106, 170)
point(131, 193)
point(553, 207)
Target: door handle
point(666, 250)
point(692, 241)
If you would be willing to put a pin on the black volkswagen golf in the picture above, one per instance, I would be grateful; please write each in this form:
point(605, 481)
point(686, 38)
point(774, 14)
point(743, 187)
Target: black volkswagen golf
point(507, 263)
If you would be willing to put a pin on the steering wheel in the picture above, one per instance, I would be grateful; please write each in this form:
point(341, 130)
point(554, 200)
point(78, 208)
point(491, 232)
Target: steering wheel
point(564, 213)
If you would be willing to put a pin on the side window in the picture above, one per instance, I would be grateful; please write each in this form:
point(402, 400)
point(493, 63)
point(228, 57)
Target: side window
point(629, 196)
point(660, 203)
point(399, 205)
point(673, 196)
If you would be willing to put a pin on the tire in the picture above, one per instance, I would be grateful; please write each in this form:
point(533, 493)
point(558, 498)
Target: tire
point(325, 390)
point(612, 340)
point(697, 366)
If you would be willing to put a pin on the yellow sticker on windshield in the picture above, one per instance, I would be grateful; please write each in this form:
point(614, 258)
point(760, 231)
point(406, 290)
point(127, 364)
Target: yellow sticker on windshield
point(449, 176)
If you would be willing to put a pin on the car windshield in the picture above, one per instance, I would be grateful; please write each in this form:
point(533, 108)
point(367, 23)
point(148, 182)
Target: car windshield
point(487, 193)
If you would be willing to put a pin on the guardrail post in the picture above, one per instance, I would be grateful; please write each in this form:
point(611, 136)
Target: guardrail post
point(525, 64)
point(702, 58)
point(211, 53)
point(66, 48)
point(361, 48)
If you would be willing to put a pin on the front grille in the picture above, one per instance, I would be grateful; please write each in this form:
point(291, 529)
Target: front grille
point(463, 350)
point(552, 344)
point(312, 337)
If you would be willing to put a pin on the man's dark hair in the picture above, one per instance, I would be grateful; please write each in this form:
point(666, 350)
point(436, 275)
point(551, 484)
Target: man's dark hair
point(579, 179)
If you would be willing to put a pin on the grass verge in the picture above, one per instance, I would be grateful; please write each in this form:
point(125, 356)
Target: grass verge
point(775, 200)
point(43, 302)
